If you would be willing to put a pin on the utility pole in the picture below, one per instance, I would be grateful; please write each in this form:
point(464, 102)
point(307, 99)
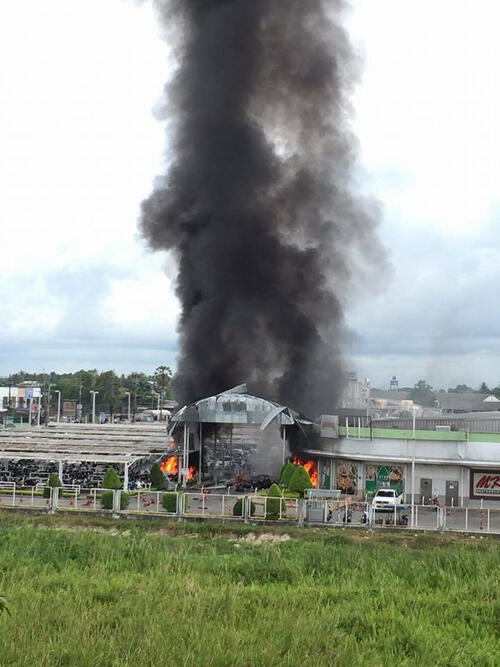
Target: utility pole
point(127, 393)
point(93, 404)
point(49, 385)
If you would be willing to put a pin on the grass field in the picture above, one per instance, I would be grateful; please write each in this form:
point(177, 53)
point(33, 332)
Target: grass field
point(92, 592)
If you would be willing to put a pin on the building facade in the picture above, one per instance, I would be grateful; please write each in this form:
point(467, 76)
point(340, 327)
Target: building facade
point(456, 468)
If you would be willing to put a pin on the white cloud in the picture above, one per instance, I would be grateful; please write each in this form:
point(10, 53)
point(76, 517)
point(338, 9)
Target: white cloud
point(79, 148)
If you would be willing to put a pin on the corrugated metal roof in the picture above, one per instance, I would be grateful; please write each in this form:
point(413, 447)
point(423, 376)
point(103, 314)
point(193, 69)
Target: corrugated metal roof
point(232, 408)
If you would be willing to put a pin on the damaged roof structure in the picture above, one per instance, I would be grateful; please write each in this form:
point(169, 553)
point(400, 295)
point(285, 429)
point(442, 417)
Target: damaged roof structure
point(233, 433)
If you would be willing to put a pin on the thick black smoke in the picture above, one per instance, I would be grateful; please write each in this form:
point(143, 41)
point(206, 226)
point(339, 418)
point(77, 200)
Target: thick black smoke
point(257, 203)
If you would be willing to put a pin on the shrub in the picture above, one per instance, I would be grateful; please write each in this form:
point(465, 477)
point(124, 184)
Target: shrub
point(124, 500)
point(169, 502)
point(54, 480)
point(287, 472)
point(107, 500)
point(46, 492)
point(111, 480)
point(238, 508)
point(157, 477)
point(274, 495)
point(300, 480)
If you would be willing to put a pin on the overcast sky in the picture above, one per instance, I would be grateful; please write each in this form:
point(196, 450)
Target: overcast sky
point(80, 146)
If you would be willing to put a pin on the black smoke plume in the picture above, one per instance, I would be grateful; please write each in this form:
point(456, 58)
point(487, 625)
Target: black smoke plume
point(257, 205)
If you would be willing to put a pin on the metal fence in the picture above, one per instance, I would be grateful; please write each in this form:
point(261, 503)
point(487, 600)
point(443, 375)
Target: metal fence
point(255, 508)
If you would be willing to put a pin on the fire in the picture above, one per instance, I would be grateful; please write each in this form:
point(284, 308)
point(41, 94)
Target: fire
point(170, 466)
point(311, 467)
point(191, 473)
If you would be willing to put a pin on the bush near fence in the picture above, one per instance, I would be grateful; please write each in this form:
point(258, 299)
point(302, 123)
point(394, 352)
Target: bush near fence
point(169, 502)
point(107, 500)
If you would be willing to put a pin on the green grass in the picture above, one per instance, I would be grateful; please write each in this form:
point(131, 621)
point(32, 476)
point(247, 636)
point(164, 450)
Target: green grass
point(91, 592)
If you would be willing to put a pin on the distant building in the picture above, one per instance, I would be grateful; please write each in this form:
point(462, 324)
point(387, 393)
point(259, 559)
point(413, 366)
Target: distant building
point(460, 402)
point(355, 394)
point(20, 397)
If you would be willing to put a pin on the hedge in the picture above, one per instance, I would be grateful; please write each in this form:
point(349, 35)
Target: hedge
point(169, 502)
point(107, 500)
point(238, 508)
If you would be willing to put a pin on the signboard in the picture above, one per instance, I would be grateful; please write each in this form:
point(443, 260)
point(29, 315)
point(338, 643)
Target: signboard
point(384, 476)
point(485, 484)
point(329, 426)
point(69, 409)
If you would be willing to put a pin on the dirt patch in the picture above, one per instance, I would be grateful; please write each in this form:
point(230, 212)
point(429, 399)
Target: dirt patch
point(263, 538)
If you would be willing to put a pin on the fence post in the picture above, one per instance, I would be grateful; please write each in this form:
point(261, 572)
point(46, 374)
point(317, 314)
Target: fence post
point(180, 505)
point(246, 504)
point(466, 517)
point(300, 512)
point(488, 519)
point(116, 501)
point(157, 501)
point(54, 499)
point(223, 504)
point(13, 495)
point(138, 500)
point(32, 496)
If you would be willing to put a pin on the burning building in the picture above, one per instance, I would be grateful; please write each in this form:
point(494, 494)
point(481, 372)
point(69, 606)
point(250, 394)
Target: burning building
point(230, 434)
point(235, 434)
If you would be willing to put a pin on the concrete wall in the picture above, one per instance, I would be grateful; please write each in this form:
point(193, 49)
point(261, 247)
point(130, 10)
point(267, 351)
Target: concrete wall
point(439, 451)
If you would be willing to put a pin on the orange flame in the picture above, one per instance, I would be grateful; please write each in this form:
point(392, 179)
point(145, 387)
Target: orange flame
point(191, 473)
point(311, 467)
point(170, 466)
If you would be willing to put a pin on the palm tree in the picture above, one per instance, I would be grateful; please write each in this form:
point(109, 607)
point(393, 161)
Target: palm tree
point(162, 376)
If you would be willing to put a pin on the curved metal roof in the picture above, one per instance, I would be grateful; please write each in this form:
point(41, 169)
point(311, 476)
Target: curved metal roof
point(233, 407)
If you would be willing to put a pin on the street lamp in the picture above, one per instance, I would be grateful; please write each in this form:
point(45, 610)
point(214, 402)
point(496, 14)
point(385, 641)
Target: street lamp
point(57, 391)
point(127, 393)
point(93, 404)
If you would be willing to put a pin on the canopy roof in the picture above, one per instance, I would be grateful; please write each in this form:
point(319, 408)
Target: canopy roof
point(235, 406)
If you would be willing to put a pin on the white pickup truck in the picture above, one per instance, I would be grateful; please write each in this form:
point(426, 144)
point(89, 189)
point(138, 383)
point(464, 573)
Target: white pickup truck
point(386, 499)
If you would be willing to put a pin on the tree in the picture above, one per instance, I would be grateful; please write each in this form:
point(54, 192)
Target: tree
point(162, 376)
point(111, 480)
point(484, 389)
point(287, 472)
point(300, 480)
point(423, 394)
point(461, 389)
point(157, 477)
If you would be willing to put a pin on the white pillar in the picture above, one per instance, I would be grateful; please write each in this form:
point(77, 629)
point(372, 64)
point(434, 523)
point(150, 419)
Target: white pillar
point(413, 486)
point(61, 468)
point(185, 455)
point(125, 476)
